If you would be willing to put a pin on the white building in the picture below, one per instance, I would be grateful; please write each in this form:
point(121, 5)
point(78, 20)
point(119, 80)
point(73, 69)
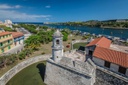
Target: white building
point(99, 51)
point(8, 23)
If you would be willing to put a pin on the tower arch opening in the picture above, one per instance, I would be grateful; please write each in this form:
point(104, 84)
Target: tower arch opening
point(57, 42)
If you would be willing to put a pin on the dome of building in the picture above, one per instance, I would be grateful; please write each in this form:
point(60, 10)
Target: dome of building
point(57, 33)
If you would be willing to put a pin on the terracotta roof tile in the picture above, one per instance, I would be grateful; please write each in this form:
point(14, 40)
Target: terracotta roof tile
point(4, 33)
point(17, 34)
point(102, 42)
point(112, 56)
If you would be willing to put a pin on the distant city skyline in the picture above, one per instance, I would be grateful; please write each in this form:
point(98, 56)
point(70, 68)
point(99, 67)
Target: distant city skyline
point(62, 10)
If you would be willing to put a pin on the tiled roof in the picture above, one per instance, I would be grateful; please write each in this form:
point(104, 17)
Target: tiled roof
point(4, 33)
point(17, 34)
point(112, 56)
point(102, 42)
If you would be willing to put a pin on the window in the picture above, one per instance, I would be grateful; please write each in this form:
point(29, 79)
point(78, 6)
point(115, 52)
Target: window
point(1, 44)
point(57, 42)
point(90, 52)
point(2, 50)
point(107, 64)
point(122, 70)
point(9, 47)
point(8, 41)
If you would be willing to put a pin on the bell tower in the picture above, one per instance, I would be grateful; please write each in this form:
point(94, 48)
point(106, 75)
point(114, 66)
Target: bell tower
point(57, 47)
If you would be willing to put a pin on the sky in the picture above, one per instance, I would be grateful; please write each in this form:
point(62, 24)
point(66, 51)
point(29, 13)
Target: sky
point(62, 10)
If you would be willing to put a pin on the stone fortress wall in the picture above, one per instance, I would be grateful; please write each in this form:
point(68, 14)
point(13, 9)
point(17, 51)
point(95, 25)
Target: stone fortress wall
point(106, 77)
point(12, 72)
point(69, 72)
point(103, 76)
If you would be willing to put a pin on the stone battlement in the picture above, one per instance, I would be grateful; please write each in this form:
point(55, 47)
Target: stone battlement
point(69, 72)
point(85, 67)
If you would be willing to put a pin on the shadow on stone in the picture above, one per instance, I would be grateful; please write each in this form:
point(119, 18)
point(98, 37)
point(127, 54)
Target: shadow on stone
point(41, 67)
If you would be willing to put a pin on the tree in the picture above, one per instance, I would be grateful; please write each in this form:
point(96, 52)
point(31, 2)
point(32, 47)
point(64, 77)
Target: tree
point(65, 36)
point(21, 55)
point(28, 51)
point(3, 60)
point(33, 42)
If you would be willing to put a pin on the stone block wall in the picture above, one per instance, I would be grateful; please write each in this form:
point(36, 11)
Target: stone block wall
point(105, 77)
point(61, 74)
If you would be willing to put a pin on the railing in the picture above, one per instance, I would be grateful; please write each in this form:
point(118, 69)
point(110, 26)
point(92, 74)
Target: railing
point(5, 39)
point(20, 38)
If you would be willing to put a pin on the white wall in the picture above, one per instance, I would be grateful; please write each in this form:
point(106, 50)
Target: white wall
point(114, 67)
point(57, 54)
point(98, 61)
point(21, 41)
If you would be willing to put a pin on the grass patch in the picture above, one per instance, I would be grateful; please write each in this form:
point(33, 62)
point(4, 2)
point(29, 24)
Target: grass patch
point(77, 45)
point(31, 75)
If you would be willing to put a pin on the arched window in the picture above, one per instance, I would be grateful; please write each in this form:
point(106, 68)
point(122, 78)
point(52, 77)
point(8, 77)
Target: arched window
point(57, 42)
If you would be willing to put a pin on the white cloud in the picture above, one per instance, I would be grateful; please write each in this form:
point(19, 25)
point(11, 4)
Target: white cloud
point(14, 15)
point(17, 6)
point(48, 6)
point(47, 19)
point(5, 6)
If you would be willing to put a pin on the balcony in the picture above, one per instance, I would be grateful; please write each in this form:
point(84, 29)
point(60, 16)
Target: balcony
point(18, 39)
point(5, 39)
point(7, 44)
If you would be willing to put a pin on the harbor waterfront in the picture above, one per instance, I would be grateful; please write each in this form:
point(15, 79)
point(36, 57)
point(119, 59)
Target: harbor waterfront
point(122, 33)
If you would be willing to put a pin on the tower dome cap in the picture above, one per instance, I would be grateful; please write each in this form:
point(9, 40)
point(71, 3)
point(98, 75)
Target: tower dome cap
point(57, 33)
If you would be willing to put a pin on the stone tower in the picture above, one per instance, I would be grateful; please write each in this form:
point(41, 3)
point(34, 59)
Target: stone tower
point(57, 47)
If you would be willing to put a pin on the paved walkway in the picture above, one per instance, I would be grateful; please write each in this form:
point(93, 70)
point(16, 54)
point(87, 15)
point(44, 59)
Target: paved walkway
point(15, 49)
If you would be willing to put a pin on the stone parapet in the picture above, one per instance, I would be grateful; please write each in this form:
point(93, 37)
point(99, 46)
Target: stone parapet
point(106, 77)
point(63, 74)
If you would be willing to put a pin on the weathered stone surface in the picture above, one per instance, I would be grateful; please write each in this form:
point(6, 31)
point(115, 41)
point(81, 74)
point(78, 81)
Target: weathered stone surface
point(8, 75)
point(64, 74)
point(106, 78)
point(80, 73)
point(77, 73)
